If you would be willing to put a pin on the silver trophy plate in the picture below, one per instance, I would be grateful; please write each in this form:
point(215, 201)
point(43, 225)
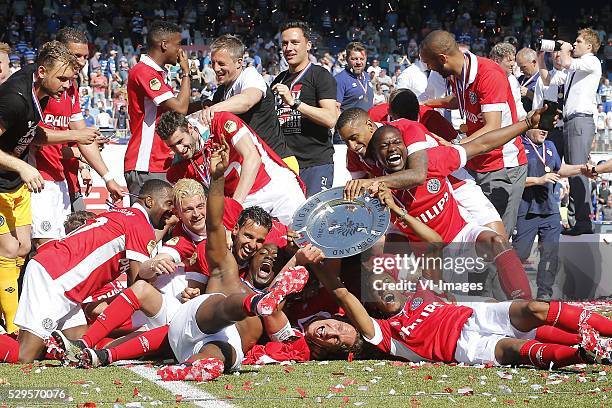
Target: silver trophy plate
point(340, 227)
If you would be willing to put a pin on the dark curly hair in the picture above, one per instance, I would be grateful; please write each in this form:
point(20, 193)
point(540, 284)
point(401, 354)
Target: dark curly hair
point(256, 214)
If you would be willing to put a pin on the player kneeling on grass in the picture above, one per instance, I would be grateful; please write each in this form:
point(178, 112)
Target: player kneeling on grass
point(65, 272)
point(426, 327)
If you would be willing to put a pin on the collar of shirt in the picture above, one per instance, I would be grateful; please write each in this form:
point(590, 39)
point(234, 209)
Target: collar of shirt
point(473, 68)
point(140, 208)
point(145, 59)
point(194, 237)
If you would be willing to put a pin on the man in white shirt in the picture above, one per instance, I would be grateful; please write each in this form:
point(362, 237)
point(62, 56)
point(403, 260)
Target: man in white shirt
point(413, 78)
point(504, 55)
point(243, 92)
point(580, 78)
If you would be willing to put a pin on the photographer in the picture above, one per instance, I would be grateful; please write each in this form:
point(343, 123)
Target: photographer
point(580, 78)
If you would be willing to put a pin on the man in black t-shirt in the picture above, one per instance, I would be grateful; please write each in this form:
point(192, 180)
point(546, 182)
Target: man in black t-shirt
point(23, 98)
point(306, 108)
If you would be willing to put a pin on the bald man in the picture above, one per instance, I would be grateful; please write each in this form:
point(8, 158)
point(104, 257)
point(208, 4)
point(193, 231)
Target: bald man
point(481, 92)
point(527, 61)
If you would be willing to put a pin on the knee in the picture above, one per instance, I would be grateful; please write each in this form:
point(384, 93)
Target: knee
point(141, 289)
point(537, 310)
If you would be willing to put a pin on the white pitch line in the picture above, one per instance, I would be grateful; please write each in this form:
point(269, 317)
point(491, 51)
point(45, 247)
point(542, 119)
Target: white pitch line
point(203, 399)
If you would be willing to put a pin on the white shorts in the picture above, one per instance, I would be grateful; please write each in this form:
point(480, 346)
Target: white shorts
point(281, 197)
point(50, 208)
point(43, 306)
point(186, 339)
point(463, 249)
point(170, 305)
point(474, 205)
point(489, 323)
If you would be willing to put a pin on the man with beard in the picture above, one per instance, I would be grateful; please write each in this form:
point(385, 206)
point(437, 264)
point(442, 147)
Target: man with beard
point(353, 87)
point(22, 100)
point(114, 242)
point(256, 175)
point(482, 93)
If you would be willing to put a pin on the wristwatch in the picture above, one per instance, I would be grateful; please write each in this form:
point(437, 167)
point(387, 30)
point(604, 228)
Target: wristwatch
point(296, 103)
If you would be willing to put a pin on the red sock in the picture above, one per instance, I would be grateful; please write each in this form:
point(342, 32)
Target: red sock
point(148, 342)
point(119, 310)
point(569, 318)
point(550, 334)
point(512, 276)
point(541, 355)
point(103, 343)
point(9, 349)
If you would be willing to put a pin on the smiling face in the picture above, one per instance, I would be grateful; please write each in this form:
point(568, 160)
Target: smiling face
point(390, 150)
point(192, 213)
point(357, 135)
point(295, 46)
point(248, 239)
point(226, 68)
point(384, 299)
point(183, 142)
point(331, 335)
point(356, 60)
point(159, 206)
point(261, 272)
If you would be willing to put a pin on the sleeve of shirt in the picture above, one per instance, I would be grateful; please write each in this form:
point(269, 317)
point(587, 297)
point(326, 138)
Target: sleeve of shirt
point(229, 126)
point(13, 108)
point(382, 335)
point(414, 136)
point(76, 114)
point(588, 63)
point(253, 79)
point(436, 123)
point(152, 84)
point(491, 92)
point(139, 238)
point(326, 86)
point(353, 165)
point(231, 212)
point(444, 160)
point(339, 89)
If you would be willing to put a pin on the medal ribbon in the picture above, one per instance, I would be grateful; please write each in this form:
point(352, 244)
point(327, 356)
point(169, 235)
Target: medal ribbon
point(35, 99)
point(461, 86)
point(364, 88)
point(541, 157)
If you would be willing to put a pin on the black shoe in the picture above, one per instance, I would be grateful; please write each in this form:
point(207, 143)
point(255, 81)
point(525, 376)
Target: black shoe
point(72, 348)
point(576, 231)
point(91, 358)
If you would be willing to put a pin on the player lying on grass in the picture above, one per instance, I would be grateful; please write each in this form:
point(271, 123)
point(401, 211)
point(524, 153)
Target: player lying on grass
point(427, 328)
point(65, 272)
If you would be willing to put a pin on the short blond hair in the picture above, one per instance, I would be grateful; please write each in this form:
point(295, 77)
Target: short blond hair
point(232, 44)
point(5, 48)
point(187, 187)
point(590, 37)
point(54, 52)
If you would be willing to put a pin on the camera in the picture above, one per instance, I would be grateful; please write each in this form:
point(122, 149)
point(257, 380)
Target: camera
point(548, 45)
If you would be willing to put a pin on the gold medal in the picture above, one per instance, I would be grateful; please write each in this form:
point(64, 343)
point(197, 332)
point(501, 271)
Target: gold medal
point(547, 169)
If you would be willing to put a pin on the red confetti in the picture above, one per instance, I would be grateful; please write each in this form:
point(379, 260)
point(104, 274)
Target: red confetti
point(398, 363)
point(136, 392)
point(345, 399)
point(510, 402)
point(117, 382)
point(301, 392)
point(289, 369)
point(282, 389)
point(87, 405)
point(178, 398)
point(349, 381)
point(119, 401)
point(229, 387)
point(448, 389)
point(80, 382)
point(229, 397)
point(351, 357)
point(428, 377)
point(247, 383)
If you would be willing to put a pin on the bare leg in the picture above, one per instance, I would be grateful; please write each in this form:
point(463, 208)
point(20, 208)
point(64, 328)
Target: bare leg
point(31, 346)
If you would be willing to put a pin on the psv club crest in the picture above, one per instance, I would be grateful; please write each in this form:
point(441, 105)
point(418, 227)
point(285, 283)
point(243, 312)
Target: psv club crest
point(433, 186)
point(473, 98)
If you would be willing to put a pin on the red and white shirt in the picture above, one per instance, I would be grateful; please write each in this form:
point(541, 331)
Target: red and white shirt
point(428, 117)
point(488, 90)
point(226, 125)
point(432, 202)
point(427, 328)
point(147, 90)
point(58, 114)
point(99, 251)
